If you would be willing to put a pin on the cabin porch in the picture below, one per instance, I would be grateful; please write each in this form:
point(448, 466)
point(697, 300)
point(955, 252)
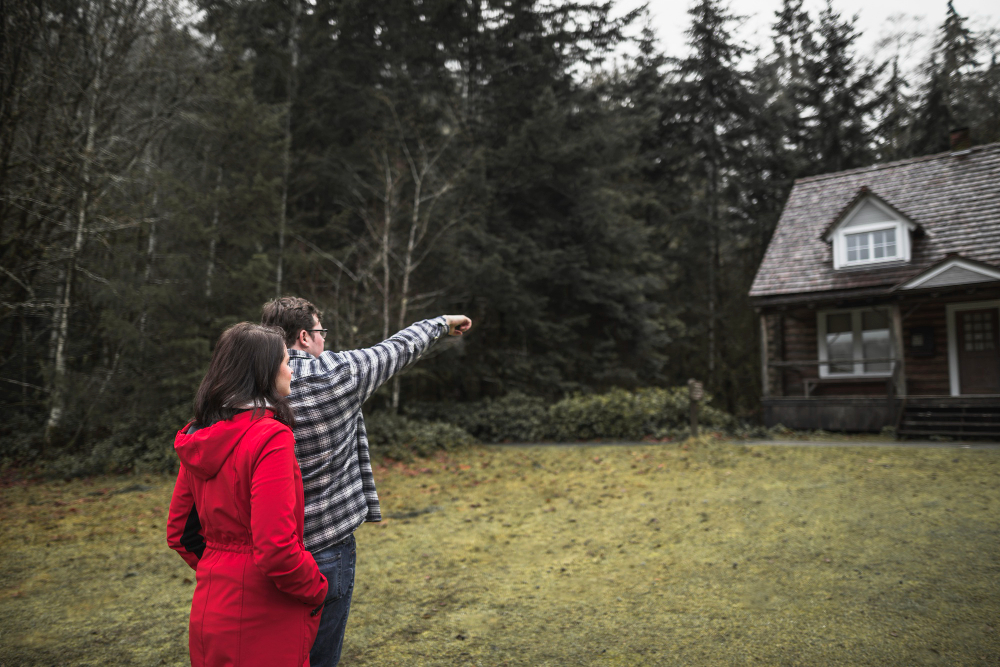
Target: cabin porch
point(925, 364)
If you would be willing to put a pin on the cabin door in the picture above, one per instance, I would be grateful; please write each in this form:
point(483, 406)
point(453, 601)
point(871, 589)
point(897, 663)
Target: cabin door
point(978, 341)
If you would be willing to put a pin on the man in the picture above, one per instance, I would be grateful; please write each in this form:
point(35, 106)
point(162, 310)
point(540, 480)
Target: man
point(331, 444)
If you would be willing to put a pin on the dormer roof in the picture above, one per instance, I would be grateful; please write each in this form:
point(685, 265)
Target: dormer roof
point(865, 206)
point(954, 199)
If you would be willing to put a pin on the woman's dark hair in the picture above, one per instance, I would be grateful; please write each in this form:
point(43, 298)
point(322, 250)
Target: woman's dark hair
point(243, 373)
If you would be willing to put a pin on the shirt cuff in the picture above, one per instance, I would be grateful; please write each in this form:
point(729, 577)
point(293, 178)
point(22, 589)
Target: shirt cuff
point(444, 326)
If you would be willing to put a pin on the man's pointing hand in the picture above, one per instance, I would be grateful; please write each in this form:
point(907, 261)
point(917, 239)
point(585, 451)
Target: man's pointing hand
point(457, 324)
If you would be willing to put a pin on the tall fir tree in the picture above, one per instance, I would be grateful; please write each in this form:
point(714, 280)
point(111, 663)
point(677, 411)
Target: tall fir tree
point(945, 99)
point(894, 129)
point(842, 99)
point(711, 106)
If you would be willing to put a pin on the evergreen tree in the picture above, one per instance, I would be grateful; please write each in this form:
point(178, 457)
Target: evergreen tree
point(895, 120)
point(783, 81)
point(945, 99)
point(842, 98)
point(984, 111)
point(711, 108)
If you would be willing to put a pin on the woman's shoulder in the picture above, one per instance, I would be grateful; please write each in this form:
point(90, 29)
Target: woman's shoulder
point(267, 429)
point(267, 426)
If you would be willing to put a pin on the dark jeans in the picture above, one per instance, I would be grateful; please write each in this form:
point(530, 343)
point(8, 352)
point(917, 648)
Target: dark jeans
point(337, 565)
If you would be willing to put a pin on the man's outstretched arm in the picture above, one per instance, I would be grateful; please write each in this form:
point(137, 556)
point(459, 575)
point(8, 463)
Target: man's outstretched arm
point(373, 366)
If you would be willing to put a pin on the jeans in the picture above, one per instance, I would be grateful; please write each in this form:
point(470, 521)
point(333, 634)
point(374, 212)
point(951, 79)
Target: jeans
point(337, 565)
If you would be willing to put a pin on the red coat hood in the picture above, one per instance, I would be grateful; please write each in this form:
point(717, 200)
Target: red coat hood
point(204, 451)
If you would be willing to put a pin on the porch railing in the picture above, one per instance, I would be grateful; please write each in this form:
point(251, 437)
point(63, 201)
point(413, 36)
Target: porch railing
point(809, 384)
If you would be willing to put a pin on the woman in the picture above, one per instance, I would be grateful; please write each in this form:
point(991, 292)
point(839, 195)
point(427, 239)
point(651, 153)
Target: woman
point(236, 513)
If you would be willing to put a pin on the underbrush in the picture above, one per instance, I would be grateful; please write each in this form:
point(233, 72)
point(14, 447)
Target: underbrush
point(652, 413)
point(424, 428)
point(399, 438)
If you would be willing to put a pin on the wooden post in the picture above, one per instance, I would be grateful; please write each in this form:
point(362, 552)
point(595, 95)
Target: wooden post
point(696, 392)
point(897, 342)
point(764, 380)
point(779, 354)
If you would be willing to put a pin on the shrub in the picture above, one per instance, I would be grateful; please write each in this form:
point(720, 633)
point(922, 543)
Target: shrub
point(624, 415)
point(515, 417)
point(400, 438)
point(617, 414)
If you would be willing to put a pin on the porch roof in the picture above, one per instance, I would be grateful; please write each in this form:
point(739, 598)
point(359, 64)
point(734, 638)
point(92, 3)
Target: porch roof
point(954, 197)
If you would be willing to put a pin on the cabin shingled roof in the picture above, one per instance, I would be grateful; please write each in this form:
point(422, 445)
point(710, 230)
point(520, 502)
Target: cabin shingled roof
point(954, 197)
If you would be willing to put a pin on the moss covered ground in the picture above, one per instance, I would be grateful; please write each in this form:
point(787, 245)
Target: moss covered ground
point(705, 553)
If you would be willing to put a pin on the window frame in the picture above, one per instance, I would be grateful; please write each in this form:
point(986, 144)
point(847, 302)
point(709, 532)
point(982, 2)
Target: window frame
point(857, 344)
point(870, 245)
point(869, 229)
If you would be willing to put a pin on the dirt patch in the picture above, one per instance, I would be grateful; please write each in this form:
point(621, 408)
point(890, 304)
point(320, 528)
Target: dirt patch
point(654, 554)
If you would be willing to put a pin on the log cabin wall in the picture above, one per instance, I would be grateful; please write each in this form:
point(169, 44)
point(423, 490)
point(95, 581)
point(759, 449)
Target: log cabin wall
point(772, 353)
point(799, 345)
point(926, 375)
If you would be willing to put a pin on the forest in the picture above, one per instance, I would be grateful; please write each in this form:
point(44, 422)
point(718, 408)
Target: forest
point(598, 208)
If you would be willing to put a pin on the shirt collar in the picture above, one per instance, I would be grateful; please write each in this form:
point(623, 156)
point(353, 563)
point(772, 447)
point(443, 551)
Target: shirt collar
point(299, 354)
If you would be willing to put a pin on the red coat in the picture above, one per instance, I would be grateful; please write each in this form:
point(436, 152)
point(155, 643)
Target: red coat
point(236, 518)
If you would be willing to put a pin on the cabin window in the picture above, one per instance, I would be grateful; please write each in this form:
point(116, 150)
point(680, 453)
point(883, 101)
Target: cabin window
point(871, 234)
point(870, 246)
point(855, 342)
point(867, 246)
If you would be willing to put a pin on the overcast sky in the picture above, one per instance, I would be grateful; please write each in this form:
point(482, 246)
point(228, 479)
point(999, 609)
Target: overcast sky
point(670, 18)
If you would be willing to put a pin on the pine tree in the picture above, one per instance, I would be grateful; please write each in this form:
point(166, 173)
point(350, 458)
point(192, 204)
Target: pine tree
point(895, 119)
point(842, 98)
point(945, 99)
point(783, 80)
point(712, 106)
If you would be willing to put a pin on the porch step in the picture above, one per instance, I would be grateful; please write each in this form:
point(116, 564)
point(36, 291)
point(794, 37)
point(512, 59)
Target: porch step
point(975, 421)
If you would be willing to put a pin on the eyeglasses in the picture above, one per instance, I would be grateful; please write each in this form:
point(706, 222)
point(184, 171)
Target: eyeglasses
point(321, 332)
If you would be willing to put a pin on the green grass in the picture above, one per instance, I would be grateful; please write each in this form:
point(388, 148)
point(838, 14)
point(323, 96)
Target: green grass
point(708, 553)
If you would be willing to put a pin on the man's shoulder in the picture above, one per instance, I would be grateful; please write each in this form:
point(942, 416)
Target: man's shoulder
point(322, 382)
point(328, 363)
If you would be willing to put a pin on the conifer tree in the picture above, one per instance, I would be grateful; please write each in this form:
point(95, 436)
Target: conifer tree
point(895, 121)
point(783, 79)
point(842, 98)
point(945, 99)
point(712, 107)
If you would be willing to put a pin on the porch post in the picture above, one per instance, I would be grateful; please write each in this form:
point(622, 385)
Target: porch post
point(765, 389)
point(897, 342)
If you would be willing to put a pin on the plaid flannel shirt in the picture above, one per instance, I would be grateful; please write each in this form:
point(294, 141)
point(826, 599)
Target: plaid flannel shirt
point(331, 443)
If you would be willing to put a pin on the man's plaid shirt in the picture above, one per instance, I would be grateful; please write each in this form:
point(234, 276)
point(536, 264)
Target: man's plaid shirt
point(330, 438)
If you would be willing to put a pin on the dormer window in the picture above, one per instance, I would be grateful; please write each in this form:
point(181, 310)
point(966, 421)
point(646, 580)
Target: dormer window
point(871, 232)
point(871, 246)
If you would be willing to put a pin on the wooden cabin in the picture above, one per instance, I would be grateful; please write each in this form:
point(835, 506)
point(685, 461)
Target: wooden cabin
point(879, 299)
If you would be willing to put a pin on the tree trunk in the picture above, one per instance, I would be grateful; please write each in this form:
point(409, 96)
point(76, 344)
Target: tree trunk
point(214, 237)
point(713, 209)
point(293, 46)
point(404, 290)
point(58, 400)
point(150, 252)
point(390, 198)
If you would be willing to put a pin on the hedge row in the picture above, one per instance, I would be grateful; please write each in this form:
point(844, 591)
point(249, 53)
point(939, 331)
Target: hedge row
point(429, 427)
point(516, 417)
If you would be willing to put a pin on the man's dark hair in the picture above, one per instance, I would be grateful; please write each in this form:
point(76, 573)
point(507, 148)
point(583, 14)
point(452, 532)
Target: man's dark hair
point(243, 373)
point(291, 314)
